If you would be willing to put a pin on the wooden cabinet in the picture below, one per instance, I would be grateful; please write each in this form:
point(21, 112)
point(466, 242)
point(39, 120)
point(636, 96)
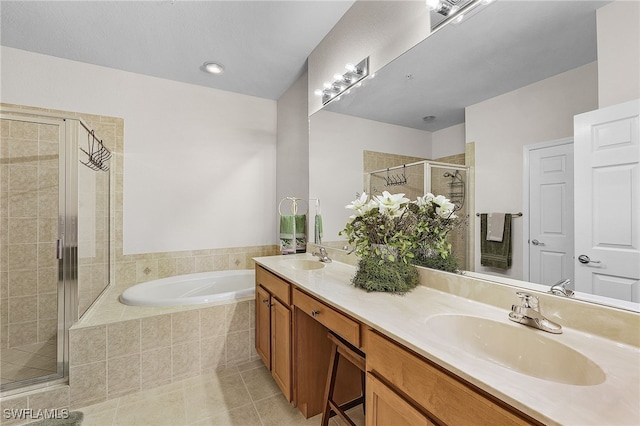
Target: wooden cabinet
point(427, 389)
point(273, 327)
point(386, 408)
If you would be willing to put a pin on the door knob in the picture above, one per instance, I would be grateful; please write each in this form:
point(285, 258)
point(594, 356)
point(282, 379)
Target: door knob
point(536, 243)
point(583, 258)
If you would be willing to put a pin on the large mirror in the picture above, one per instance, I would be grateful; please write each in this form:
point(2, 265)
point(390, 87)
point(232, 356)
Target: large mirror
point(511, 76)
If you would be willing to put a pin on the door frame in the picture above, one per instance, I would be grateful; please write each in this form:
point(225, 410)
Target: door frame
point(526, 192)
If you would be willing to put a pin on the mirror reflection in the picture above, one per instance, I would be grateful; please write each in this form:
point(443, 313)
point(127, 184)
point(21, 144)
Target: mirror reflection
point(482, 94)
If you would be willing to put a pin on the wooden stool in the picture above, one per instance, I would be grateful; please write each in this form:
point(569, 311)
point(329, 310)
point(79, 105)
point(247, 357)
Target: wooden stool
point(341, 348)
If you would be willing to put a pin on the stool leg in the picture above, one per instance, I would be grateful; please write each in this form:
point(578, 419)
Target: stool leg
point(363, 379)
point(331, 381)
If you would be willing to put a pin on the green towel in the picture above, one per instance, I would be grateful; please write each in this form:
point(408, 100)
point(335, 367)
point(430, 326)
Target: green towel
point(293, 233)
point(317, 234)
point(495, 254)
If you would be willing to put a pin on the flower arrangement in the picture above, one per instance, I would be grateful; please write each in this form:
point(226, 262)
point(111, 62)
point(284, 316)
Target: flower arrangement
point(391, 230)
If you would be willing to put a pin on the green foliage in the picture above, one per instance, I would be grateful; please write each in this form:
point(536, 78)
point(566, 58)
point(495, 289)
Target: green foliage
point(448, 263)
point(376, 274)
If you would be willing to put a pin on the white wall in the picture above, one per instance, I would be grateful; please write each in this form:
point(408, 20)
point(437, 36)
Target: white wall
point(336, 146)
point(449, 141)
point(618, 47)
point(292, 164)
point(381, 30)
point(199, 164)
point(502, 126)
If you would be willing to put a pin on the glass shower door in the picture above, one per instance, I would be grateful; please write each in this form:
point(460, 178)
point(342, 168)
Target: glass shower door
point(30, 204)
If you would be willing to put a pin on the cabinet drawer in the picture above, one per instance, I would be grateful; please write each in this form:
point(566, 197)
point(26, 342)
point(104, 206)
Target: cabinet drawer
point(329, 317)
point(274, 284)
point(440, 394)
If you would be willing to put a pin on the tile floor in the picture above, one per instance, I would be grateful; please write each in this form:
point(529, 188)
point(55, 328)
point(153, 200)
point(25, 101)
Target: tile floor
point(28, 361)
point(244, 396)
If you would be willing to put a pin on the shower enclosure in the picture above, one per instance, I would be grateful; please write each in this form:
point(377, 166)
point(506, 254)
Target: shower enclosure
point(54, 243)
point(418, 178)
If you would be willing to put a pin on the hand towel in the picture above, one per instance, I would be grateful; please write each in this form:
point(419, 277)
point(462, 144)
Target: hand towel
point(495, 226)
point(300, 232)
point(287, 234)
point(495, 254)
point(317, 229)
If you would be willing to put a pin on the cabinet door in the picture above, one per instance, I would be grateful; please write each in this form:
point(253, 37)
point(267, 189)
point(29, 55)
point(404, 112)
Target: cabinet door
point(281, 346)
point(386, 408)
point(263, 325)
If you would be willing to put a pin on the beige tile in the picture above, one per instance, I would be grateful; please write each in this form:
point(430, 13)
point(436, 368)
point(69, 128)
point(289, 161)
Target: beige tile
point(50, 399)
point(23, 283)
point(23, 333)
point(245, 416)
point(48, 306)
point(277, 411)
point(185, 360)
point(23, 309)
point(24, 130)
point(185, 265)
point(23, 205)
point(185, 327)
point(155, 367)
point(23, 178)
point(87, 345)
point(88, 383)
point(155, 332)
point(13, 405)
point(47, 329)
point(101, 414)
point(213, 353)
point(238, 347)
point(47, 255)
point(22, 256)
point(238, 316)
point(23, 231)
point(164, 409)
point(47, 280)
point(223, 392)
point(212, 321)
point(260, 383)
point(48, 201)
point(123, 338)
point(123, 375)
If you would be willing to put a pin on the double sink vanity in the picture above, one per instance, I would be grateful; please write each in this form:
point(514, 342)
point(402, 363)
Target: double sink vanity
point(445, 353)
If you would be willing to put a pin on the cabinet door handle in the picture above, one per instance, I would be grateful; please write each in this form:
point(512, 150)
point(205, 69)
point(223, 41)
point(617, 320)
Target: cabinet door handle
point(265, 301)
point(315, 313)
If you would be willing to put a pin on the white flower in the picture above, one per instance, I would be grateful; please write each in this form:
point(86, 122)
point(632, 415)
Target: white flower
point(360, 205)
point(445, 207)
point(391, 204)
point(426, 200)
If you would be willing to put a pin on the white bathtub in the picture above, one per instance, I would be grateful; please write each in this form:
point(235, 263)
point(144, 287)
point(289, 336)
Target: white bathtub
point(192, 289)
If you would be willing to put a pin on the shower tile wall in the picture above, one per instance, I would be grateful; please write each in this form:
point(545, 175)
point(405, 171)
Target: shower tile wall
point(28, 218)
point(373, 160)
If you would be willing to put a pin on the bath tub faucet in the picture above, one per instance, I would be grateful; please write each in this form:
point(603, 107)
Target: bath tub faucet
point(529, 314)
point(322, 255)
point(560, 288)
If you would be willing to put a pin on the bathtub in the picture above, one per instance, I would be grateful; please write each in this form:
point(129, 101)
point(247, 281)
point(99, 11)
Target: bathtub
point(192, 289)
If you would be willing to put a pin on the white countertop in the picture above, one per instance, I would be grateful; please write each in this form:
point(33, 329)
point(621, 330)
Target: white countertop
point(616, 401)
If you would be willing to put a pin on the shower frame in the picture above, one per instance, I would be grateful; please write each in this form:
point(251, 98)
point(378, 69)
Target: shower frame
point(428, 165)
point(67, 242)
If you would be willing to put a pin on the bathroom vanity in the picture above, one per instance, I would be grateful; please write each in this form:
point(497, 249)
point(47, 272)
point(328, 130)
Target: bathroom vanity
point(434, 357)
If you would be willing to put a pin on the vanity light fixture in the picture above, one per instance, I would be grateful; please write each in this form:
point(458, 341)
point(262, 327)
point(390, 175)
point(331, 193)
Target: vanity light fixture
point(453, 10)
point(213, 67)
point(343, 83)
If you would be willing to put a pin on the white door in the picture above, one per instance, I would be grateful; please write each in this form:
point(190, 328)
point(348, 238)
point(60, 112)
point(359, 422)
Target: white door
point(607, 202)
point(551, 213)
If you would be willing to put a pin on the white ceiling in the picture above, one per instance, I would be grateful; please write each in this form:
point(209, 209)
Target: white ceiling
point(263, 45)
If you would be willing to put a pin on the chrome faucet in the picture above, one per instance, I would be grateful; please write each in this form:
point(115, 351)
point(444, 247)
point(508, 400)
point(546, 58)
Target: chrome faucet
point(529, 314)
point(322, 254)
point(560, 288)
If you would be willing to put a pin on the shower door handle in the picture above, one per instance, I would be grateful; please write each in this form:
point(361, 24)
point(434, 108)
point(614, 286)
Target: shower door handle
point(59, 249)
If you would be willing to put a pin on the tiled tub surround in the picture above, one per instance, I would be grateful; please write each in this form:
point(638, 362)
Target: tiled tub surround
point(607, 336)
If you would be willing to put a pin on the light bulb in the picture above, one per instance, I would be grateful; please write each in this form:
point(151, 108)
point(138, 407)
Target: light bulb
point(338, 76)
point(327, 85)
point(318, 92)
point(433, 4)
point(350, 67)
point(213, 68)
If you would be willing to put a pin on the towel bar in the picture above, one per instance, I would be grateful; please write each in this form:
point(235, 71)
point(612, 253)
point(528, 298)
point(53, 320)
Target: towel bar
point(519, 214)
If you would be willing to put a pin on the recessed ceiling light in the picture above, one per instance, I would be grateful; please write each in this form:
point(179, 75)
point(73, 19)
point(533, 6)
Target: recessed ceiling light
point(213, 67)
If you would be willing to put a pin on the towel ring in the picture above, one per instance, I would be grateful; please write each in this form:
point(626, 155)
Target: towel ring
point(294, 205)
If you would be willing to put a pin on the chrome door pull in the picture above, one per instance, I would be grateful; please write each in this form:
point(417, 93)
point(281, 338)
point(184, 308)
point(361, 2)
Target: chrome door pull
point(583, 258)
point(536, 243)
point(315, 313)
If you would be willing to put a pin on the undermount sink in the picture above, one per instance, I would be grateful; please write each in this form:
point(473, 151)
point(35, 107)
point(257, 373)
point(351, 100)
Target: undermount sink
point(517, 348)
point(303, 264)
